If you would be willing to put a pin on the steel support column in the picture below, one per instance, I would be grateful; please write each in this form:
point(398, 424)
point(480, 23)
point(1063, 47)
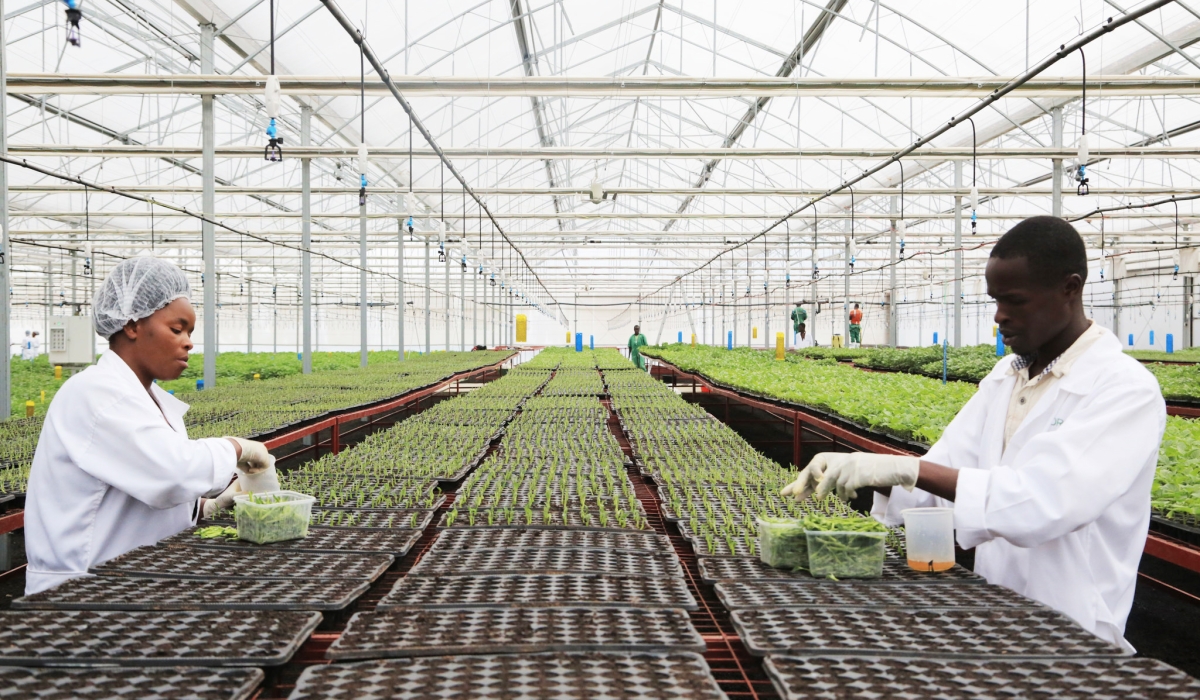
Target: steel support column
point(893, 307)
point(209, 204)
point(400, 286)
point(5, 252)
point(958, 259)
point(462, 303)
point(428, 342)
point(1056, 178)
point(362, 284)
point(249, 314)
point(306, 239)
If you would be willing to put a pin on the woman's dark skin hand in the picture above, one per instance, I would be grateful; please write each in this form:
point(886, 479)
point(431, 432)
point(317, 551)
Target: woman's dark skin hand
point(157, 346)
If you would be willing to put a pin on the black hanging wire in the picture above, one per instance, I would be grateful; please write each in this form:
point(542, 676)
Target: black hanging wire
point(814, 252)
point(152, 227)
point(903, 225)
point(74, 15)
point(362, 115)
point(851, 245)
point(273, 152)
point(974, 169)
point(87, 232)
point(1175, 276)
point(1081, 169)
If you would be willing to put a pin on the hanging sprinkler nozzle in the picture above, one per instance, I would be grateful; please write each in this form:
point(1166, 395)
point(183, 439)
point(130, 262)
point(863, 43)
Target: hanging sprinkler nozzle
point(272, 96)
point(1081, 167)
point(74, 15)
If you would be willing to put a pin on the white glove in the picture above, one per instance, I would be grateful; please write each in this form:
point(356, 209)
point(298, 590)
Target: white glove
point(259, 482)
point(214, 505)
point(255, 457)
point(845, 473)
point(809, 478)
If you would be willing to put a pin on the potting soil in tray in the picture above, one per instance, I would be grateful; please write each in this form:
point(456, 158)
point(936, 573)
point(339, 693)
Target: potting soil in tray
point(508, 591)
point(136, 593)
point(354, 518)
point(851, 678)
point(1007, 632)
point(195, 638)
point(555, 676)
point(160, 561)
point(167, 683)
point(895, 570)
point(324, 540)
point(425, 632)
point(617, 540)
point(738, 595)
point(461, 562)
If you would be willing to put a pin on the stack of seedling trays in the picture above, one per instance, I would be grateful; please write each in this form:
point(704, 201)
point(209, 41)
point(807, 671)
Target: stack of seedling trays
point(542, 606)
point(906, 634)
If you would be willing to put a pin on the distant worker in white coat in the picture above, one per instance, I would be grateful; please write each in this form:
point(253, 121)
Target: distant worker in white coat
point(114, 468)
point(1048, 467)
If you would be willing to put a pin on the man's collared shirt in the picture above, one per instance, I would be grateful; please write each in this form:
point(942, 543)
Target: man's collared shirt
point(1028, 390)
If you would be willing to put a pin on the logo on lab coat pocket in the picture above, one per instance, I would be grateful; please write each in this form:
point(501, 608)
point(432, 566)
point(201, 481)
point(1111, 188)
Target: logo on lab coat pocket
point(1054, 425)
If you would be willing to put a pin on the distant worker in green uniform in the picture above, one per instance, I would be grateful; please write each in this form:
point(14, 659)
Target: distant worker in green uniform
point(855, 326)
point(799, 317)
point(636, 341)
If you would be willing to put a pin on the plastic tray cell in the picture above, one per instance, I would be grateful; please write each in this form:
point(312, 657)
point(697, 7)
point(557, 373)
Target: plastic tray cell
point(1007, 632)
point(560, 590)
point(716, 569)
point(558, 676)
point(320, 540)
point(738, 595)
point(575, 539)
point(260, 564)
point(425, 632)
point(193, 638)
point(136, 593)
point(169, 683)
point(850, 678)
point(458, 562)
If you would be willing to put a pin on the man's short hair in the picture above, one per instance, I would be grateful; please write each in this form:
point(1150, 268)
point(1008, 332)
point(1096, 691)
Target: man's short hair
point(1052, 247)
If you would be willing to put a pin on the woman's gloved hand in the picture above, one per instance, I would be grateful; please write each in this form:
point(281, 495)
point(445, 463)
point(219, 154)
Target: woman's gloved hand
point(212, 506)
point(259, 482)
point(254, 458)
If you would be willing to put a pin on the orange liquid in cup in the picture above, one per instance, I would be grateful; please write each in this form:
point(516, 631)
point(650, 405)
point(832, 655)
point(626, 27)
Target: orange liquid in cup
point(930, 565)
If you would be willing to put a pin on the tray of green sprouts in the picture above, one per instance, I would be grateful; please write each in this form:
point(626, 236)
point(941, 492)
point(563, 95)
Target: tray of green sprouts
point(273, 516)
point(833, 547)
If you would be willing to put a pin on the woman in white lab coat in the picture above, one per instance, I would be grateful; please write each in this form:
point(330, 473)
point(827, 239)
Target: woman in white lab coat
point(114, 468)
point(1049, 466)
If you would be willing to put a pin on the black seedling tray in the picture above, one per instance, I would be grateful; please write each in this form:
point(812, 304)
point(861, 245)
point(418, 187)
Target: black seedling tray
point(714, 569)
point(774, 594)
point(572, 521)
point(425, 632)
point(434, 505)
point(557, 676)
point(563, 590)
point(857, 678)
point(368, 518)
point(120, 638)
point(168, 683)
point(1007, 632)
point(617, 540)
point(136, 593)
point(263, 564)
point(463, 562)
point(321, 540)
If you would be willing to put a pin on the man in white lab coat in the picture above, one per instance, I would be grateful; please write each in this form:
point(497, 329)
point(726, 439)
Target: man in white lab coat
point(1049, 466)
point(114, 468)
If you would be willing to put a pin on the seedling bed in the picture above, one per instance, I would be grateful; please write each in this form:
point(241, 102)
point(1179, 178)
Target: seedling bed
point(136, 593)
point(738, 595)
point(895, 570)
point(1007, 632)
point(583, 539)
point(520, 590)
point(157, 561)
point(431, 502)
point(323, 540)
point(208, 638)
point(170, 683)
point(463, 562)
point(422, 632)
point(536, 493)
point(554, 676)
point(575, 518)
point(857, 678)
point(1181, 526)
point(354, 518)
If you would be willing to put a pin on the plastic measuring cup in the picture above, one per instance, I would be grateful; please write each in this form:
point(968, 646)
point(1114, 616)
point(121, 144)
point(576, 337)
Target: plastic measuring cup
point(929, 538)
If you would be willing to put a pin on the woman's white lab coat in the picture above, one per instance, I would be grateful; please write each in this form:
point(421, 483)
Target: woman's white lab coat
point(110, 474)
point(1061, 514)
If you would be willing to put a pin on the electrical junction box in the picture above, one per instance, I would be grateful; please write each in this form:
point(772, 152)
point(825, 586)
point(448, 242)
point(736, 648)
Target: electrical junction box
point(70, 340)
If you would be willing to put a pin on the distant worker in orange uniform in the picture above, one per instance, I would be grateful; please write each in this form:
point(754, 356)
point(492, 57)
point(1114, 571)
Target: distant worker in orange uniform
point(855, 326)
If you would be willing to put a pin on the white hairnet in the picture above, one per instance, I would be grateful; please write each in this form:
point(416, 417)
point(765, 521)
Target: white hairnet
point(133, 290)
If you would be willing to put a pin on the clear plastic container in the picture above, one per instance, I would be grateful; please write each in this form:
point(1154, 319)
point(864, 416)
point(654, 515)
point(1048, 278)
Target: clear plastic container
point(929, 538)
point(845, 554)
point(274, 516)
point(781, 543)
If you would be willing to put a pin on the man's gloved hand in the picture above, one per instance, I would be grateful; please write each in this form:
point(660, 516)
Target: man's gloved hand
point(845, 473)
point(810, 477)
point(212, 506)
point(255, 457)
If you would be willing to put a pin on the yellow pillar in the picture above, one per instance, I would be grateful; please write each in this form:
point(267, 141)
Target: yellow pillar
point(522, 324)
point(754, 334)
point(779, 346)
point(693, 340)
point(29, 409)
point(43, 396)
point(257, 376)
point(568, 338)
point(58, 371)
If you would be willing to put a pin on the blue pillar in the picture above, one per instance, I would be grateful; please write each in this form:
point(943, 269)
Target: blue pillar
point(578, 342)
point(1130, 340)
point(679, 338)
point(935, 342)
point(729, 341)
point(999, 344)
point(591, 342)
point(1152, 337)
point(1170, 343)
point(199, 385)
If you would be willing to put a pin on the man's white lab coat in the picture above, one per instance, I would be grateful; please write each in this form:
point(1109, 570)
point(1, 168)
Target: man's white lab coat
point(110, 474)
point(1061, 514)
